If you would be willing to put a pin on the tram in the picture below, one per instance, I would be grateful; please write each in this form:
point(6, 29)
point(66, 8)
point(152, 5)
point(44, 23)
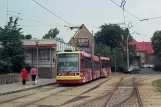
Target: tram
point(74, 67)
point(105, 66)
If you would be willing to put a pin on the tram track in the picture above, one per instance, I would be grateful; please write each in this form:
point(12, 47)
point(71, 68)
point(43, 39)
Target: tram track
point(51, 94)
point(124, 95)
point(23, 96)
point(46, 92)
point(82, 97)
point(70, 88)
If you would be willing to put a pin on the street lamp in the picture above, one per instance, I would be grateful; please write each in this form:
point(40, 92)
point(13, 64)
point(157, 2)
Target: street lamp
point(37, 43)
point(115, 61)
point(127, 49)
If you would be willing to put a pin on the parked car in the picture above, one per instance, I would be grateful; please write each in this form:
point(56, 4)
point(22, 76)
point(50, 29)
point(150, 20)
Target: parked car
point(132, 69)
point(151, 66)
point(145, 66)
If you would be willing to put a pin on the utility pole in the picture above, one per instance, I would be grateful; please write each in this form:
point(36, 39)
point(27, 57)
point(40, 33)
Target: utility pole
point(93, 43)
point(115, 61)
point(37, 46)
point(127, 49)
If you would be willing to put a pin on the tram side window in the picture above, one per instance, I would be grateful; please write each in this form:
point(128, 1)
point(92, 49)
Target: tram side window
point(82, 65)
point(108, 63)
point(96, 65)
point(87, 62)
point(105, 64)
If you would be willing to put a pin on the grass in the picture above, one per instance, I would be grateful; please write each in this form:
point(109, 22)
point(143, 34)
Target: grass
point(157, 83)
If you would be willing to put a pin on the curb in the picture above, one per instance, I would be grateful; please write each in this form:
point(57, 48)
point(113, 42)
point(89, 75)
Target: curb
point(29, 88)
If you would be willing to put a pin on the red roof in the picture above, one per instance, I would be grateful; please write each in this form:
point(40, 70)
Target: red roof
point(143, 46)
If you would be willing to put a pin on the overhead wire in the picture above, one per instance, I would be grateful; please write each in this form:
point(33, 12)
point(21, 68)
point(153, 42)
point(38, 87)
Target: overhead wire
point(126, 10)
point(52, 13)
point(37, 21)
point(22, 14)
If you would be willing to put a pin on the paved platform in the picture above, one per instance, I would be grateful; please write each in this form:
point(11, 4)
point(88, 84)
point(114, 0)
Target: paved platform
point(17, 87)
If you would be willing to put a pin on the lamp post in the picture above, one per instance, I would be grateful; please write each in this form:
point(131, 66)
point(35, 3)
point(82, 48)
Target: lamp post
point(127, 49)
point(115, 61)
point(37, 43)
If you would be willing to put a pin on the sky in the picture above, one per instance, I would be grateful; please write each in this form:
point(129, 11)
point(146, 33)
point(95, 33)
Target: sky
point(93, 13)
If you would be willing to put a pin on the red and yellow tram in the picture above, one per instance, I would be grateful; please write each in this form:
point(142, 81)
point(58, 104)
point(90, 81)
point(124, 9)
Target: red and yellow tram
point(105, 66)
point(80, 67)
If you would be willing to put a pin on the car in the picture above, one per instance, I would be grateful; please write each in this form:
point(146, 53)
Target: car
point(151, 66)
point(132, 69)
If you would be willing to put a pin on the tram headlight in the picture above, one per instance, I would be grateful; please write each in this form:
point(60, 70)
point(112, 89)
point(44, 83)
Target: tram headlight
point(58, 74)
point(76, 74)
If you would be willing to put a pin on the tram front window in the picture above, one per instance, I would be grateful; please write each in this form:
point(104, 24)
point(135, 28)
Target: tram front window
point(67, 63)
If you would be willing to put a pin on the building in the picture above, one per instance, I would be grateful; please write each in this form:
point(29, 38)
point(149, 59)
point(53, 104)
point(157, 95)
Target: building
point(83, 39)
point(145, 51)
point(47, 49)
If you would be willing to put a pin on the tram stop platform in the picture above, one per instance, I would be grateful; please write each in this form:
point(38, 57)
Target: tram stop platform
point(17, 87)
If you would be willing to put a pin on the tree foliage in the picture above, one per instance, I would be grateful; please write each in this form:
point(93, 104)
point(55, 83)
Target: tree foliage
point(110, 39)
point(13, 52)
point(28, 36)
point(109, 35)
point(52, 33)
point(156, 41)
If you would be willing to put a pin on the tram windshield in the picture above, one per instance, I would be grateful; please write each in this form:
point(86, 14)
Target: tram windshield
point(67, 62)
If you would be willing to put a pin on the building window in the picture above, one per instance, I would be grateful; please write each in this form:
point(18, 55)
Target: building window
point(44, 55)
point(142, 54)
point(151, 57)
point(83, 42)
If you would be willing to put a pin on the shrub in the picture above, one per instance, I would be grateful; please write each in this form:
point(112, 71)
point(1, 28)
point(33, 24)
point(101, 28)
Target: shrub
point(121, 68)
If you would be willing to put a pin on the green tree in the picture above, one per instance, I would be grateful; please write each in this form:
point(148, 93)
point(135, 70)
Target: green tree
point(13, 51)
point(109, 35)
point(156, 41)
point(52, 33)
point(28, 36)
point(116, 38)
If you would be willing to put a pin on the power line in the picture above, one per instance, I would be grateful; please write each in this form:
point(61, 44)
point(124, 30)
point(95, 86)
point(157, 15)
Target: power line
point(38, 21)
point(41, 25)
point(52, 13)
point(28, 15)
point(126, 10)
point(34, 20)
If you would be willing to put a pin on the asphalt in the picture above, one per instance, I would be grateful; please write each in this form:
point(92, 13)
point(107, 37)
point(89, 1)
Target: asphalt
point(149, 71)
point(17, 87)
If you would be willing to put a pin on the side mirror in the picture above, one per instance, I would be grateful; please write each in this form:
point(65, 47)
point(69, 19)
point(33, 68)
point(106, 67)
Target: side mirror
point(54, 60)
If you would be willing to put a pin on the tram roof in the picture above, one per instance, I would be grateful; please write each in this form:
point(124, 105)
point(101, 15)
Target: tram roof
point(105, 58)
point(82, 52)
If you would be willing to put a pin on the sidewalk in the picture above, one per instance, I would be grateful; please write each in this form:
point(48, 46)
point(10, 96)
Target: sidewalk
point(17, 87)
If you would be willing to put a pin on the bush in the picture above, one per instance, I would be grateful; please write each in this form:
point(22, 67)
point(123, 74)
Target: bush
point(157, 68)
point(118, 68)
point(121, 68)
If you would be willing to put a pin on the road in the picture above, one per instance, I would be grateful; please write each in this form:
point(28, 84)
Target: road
point(149, 71)
point(121, 90)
